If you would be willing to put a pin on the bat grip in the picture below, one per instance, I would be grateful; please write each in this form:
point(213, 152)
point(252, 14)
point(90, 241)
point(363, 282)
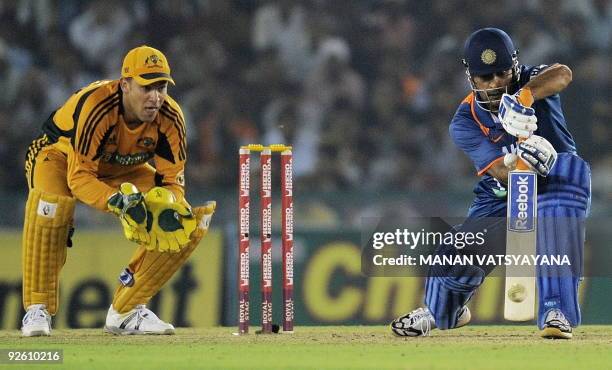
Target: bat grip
point(521, 165)
point(525, 97)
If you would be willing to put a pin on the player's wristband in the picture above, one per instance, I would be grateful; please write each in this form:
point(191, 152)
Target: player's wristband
point(525, 97)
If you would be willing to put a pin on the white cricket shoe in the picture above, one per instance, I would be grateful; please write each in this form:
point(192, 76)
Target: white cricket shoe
point(36, 322)
point(138, 321)
point(556, 326)
point(420, 322)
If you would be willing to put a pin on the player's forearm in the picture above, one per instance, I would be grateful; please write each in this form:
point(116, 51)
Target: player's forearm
point(550, 81)
point(89, 190)
point(499, 171)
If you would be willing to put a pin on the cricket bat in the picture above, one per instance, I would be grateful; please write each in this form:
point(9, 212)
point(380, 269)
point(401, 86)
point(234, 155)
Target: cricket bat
point(521, 235)
point(521, 238)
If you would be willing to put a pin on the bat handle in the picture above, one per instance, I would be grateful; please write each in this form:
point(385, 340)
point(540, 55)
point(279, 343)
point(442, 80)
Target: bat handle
point(525, 97)
point(521, 165)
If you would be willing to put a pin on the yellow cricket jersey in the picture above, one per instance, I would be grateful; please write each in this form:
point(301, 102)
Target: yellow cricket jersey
point(90, 129)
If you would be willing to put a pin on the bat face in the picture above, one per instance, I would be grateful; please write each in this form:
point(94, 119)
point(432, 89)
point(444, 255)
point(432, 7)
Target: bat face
point(519, 303)
point(522, 201)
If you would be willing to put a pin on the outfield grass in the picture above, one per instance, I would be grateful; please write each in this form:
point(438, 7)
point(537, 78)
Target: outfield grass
point(331, 347)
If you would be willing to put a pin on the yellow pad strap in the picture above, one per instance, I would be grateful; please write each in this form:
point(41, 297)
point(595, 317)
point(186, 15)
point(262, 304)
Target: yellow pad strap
point(151, 269)
point(47, 223)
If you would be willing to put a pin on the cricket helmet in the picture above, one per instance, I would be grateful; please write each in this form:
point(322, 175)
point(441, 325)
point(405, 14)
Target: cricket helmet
point(488, 51)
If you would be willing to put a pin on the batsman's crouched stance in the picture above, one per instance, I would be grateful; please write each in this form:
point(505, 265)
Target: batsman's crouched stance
point(96, 148)
point(513, 112)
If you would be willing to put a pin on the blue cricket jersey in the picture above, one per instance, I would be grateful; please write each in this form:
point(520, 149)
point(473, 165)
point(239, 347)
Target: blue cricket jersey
point(481, 136)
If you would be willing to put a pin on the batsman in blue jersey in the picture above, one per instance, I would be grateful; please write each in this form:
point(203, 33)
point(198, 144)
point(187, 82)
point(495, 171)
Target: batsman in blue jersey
point(511, 101)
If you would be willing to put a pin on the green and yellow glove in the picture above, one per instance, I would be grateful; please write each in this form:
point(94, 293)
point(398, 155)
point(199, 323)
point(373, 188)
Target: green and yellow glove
point(128, 204)
point(169, 223)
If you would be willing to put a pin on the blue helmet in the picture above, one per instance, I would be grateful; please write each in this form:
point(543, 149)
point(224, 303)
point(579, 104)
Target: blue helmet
point(487, 51)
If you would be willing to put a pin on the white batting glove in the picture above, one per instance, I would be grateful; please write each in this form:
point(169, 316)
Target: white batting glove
point(517, 119)
point(538, 153)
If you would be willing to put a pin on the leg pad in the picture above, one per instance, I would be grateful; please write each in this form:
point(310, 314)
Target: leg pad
point(46, 234)
point(149, 270)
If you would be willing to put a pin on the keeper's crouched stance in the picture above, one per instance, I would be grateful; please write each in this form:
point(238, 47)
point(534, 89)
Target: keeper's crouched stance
point(96, 148)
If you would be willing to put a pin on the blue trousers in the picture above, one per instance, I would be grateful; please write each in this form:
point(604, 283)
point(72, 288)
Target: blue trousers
point(563, 203)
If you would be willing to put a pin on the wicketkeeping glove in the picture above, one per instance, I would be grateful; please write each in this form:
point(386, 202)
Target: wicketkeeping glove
point(516, 116)
point(169, 223)
point(128, 205)
point(538, 153)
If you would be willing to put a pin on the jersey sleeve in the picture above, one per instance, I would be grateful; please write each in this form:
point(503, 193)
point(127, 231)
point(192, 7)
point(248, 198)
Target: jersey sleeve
point(92, 127)
point(171, 151)
point(468, 137)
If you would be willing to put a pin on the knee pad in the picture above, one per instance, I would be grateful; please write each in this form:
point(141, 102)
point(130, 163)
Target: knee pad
point(148, 271)
point(46, 235)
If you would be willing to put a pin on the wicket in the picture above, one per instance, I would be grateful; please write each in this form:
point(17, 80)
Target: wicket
point(265, 155)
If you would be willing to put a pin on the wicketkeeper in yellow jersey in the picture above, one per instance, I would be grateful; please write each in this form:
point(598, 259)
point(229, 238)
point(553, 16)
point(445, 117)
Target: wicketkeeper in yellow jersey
point(97, 148)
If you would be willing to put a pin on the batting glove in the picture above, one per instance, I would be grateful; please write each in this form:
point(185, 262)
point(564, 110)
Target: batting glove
point(517, 119)
point(538, 153)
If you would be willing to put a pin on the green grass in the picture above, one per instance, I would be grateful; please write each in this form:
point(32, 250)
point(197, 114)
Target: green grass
point(331, 347)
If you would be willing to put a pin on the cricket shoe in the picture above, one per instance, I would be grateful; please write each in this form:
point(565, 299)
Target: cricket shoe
point(556, 326)
point(36, 322)
point(420, 322)
point(139, 321)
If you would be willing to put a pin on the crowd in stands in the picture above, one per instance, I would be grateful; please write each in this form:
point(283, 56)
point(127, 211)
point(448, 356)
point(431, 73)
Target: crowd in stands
point(363, 89)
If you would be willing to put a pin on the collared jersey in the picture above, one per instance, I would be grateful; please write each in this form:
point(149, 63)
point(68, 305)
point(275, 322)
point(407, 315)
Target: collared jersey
point(90, 129)
point(481, 136)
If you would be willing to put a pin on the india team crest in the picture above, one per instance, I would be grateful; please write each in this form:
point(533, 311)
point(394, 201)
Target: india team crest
point(488, 56)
